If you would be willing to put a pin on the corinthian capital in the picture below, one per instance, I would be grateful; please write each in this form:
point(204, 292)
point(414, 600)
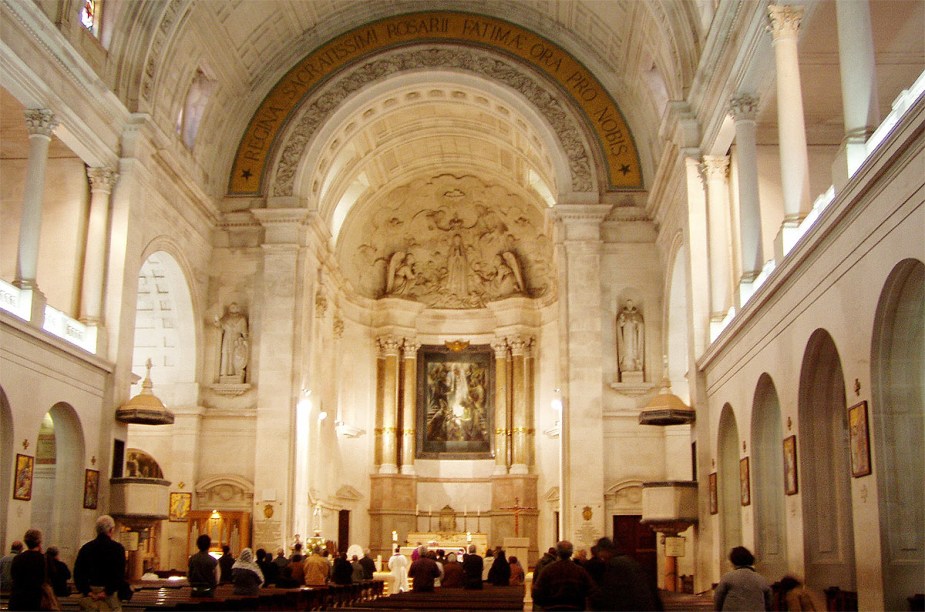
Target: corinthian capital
point(743, 107)
point(102, 179)
point(388, 345)
point(40, 121)
point(715, 167)
point(785, 20)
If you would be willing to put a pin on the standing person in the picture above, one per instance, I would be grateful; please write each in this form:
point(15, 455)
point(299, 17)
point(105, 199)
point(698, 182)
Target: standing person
point(563, 585)
point(623, 583)
point(743, 588)
point(500, 572)
point(202, 569)
point(369, 566)
point(342, 570)
point(6, 579)
point(487, 562)
point(425, 572)
point(225, 563)
point(398, 565)
point(281, 561)
point(99, 571)
point(58, 572)
point(548, 557)
point(452, 573)
point(797, 598)
point(29, 574)
point(358, 574)
point(517, 572)
point(246, 575)
point(473, 566)
point(316, 569)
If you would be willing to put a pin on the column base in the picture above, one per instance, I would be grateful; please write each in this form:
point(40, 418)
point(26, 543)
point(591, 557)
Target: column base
point(32, 302)
point(519, 469)
point(851, 154)
point(407, 470)
point(500, 470)
point(388, 468)
point(787, 236)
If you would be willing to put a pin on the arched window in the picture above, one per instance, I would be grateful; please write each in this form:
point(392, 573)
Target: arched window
point(90, 15)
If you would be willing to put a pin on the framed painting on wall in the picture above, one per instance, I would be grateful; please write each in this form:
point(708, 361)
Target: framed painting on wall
point(91, 488)
point(714, 501)
point(791, 483)
point(455, 402)
point(180, 506)
point(22, 479)
point(859, 440)
point(744, 487)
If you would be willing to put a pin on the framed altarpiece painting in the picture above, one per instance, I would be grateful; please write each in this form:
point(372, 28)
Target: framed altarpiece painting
point(455, 402)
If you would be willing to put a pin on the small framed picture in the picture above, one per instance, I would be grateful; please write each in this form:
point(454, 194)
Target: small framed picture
point(745, 492)
point(714, 501)
point(22, 483)
point(791, 483)
point(859, 440)
point(180, 506)
point(91, 488)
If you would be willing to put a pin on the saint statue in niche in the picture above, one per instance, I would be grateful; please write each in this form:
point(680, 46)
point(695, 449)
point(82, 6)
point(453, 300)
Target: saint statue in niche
point(234, 344)
point(457, 268)
point(630, 338)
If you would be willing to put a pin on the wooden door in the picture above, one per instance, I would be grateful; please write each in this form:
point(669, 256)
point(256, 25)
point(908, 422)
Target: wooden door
point(636, 540)
point(343, 530)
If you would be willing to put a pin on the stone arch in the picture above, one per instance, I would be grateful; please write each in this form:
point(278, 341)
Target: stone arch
point(624, 496)
point(225, 492)
point(727, 485)
point(897, 413)
point(7, 455)
point(767, 481)
point(58, 481)
point(825, 479)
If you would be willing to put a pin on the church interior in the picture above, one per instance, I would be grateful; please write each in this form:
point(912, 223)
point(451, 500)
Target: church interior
point(500, 272)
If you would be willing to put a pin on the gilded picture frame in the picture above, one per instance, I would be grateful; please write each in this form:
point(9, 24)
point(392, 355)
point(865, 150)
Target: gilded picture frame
point(180, 504)
point(859, 440)
point(22, 478)
point(745, 491)
point(791, 475)
point(91, 489)
point(455, 402)
point(714, 500)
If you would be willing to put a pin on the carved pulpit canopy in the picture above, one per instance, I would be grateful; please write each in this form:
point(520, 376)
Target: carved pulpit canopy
point(448, 242)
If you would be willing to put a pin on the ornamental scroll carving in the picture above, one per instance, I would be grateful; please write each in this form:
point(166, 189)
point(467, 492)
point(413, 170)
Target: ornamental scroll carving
point(449, 242)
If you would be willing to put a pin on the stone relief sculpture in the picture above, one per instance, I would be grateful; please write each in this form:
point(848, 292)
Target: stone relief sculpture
point(235, 347)
point(631, 343)
point(449, 242)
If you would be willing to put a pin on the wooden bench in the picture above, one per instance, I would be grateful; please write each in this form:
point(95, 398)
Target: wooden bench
point(837, 600)
point(489, 598)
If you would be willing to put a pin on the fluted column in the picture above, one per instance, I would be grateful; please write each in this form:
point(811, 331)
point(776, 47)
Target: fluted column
point(388, 348)
point(519, 407)
point(716, 174)
point(102, 180)
point(529, 378)
point(501, 409)
point(41, 124)
point(858, 86)
point(409, 350)
point(744, 108)
point(794, 159)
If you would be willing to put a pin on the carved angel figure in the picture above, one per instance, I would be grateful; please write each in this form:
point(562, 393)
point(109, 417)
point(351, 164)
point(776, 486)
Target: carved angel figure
point(401, 273)
point(508, 278)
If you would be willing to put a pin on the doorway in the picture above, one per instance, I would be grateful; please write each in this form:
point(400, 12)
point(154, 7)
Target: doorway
point(637, 541)
point(343, 530)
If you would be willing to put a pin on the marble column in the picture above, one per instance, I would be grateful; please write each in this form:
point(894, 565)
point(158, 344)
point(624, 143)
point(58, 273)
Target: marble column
point(794, 158)
point(858, 86)
point(388, 349)
point(280, 296)
point(102, 181)
point(518, 408)
point(40, 123)
point(716, 174)
point(501, 406)
point(744, 108)
point(582, 493)
point(409, 350)
point(698, 255)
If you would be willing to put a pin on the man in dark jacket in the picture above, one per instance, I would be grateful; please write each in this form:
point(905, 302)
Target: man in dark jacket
point(202, 572)
point(563, 584)
point(624, 584)
point(225, 563)
point(424, 572)
point(369, 566)
point(473, 565)
point(99, 571)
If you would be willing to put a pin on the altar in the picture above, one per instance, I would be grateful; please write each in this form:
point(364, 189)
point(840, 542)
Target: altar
point(446, 541)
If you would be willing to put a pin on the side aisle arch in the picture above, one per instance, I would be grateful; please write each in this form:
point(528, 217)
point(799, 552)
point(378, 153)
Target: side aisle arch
point(496, 49)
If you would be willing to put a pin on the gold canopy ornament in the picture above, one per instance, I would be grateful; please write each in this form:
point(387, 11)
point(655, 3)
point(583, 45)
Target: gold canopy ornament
point(145, 408)
point(457, 345)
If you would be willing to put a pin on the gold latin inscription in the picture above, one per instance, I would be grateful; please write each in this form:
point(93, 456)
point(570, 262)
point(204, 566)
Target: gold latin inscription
point(599, 109)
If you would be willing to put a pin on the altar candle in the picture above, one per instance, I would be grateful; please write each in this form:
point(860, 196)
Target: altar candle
point(394, 536)
point(468, 536)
